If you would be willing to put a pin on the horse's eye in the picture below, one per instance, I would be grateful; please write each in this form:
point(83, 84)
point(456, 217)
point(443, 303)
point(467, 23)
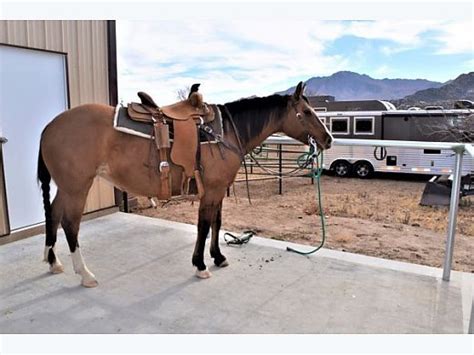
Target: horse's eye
point(307, 112)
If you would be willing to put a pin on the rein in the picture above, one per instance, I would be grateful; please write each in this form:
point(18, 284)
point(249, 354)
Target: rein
point(242, 156)
point(238, 150)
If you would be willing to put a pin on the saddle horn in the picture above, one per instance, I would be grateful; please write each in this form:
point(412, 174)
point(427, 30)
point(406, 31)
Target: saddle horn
point(194, 88)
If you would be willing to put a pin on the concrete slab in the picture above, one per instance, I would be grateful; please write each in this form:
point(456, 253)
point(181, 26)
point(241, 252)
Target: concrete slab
point(147, 285)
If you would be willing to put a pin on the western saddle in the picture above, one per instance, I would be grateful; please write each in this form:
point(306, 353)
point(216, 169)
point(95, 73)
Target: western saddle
point(186, 116)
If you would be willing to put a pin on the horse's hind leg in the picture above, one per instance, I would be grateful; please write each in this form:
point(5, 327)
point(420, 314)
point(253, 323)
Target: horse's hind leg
point(73, 209)
point(219, 259)
point(206, 212)
point(55, 265)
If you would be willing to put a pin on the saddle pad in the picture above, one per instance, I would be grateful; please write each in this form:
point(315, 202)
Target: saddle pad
point(216, 126)
point(123, 123)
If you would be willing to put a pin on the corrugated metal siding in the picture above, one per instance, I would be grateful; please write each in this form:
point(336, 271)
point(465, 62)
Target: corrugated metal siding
point(36, 34)
point(85, 43)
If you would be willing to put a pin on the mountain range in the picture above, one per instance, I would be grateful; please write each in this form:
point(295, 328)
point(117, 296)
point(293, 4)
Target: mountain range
point(346, 85)
point(460, 88)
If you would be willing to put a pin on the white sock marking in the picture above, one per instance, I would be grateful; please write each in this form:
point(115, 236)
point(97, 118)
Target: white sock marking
point(80, 267)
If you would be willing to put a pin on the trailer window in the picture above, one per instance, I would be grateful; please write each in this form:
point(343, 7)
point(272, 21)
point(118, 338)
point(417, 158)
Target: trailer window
point(431, 151)
point(340, 125)
point(320, 109)
point(364, 125)
point(325, 121)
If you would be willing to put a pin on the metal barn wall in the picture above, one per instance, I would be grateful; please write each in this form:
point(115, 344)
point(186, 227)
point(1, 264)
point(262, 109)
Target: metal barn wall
point(85, 43)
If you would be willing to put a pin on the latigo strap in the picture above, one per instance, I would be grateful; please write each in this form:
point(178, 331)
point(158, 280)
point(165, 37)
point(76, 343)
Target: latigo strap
point(162, 142)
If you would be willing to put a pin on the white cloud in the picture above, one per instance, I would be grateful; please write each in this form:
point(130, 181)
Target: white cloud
point(455, 38)
point(231, 59)
point(234, 59)
point(393, 49)
point(400, 32)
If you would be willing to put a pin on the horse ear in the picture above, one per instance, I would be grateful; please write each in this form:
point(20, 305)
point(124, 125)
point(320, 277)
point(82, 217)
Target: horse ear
point(194, 88)
point(299, 90)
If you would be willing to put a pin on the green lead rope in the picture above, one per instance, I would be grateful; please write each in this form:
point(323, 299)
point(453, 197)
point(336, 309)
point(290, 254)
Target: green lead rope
point(303, 161)
point(316, 174)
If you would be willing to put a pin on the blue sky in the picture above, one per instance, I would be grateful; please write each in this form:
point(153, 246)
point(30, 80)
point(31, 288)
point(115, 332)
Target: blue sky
point(234, 59)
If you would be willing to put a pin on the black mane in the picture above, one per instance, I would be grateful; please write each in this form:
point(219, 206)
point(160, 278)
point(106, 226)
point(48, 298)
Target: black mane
point(258, 103)
point(253, 114)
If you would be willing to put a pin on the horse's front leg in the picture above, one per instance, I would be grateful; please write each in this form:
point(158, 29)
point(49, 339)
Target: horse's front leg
point(219, 259)
point(206, 214)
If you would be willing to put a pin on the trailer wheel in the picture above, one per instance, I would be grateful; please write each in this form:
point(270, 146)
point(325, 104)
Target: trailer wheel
point(342, 168)
point(363, 169)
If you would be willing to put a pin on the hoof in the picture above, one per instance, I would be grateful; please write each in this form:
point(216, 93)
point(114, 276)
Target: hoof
point(56, 268)
point(203, 274)
point(89, 280)
point(224, 263)
point(89, 283)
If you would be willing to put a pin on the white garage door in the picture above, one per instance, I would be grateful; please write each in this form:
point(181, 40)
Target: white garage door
point(33, 90)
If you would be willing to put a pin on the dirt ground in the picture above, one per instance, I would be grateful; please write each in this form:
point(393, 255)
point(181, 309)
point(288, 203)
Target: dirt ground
point(379, 217)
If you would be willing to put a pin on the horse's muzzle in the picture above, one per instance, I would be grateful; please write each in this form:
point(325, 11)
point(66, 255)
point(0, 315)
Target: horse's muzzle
point(327, 143)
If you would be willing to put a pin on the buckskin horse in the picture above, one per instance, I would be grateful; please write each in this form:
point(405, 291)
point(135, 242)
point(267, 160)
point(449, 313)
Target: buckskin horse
point(81, 143)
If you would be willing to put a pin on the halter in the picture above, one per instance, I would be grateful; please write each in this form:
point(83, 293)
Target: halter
point(311, 140)
point(314, 145)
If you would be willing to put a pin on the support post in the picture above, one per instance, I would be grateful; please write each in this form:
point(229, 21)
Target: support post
point(453, 211)
point(280, 170)
point(125, 201)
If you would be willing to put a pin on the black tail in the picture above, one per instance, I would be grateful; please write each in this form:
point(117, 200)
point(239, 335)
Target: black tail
point(44, 178)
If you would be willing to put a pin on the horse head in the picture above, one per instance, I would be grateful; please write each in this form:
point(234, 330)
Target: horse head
point(302, 122)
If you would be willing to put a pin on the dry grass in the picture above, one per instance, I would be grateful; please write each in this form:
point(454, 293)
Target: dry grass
point(393, 207)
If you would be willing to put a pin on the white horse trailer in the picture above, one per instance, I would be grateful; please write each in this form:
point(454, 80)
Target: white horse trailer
point(406, 125)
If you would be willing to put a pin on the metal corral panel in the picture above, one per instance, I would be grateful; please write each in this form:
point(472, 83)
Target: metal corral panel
point(85, 43)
